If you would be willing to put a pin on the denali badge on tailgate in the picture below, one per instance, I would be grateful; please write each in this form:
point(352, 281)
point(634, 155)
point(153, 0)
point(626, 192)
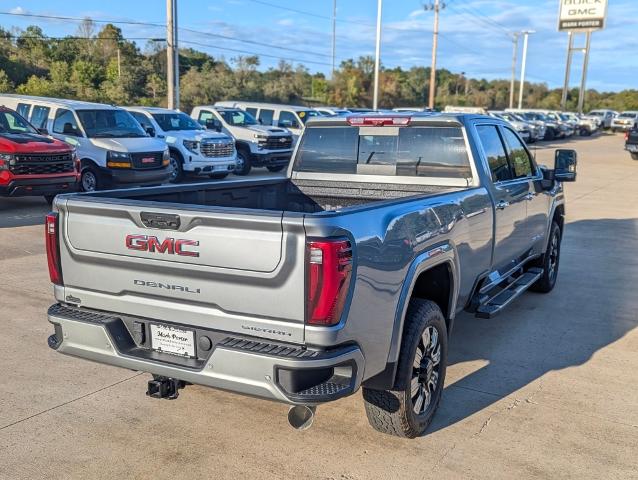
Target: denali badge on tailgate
point(170, 246)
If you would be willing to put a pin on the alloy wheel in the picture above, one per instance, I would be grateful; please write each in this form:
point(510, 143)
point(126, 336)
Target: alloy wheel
point(425, 370)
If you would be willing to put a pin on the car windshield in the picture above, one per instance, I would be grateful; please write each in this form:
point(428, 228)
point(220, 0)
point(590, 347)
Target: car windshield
point(596, 114)
point(110, 123)
point(394, 151)
point(306, 114)
point(12, 123)
point(176, 121)
point(628, 115)
point(507, 116)
point(238, 118)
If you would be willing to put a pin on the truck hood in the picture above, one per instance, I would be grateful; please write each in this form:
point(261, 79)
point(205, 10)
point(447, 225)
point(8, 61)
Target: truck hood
point(268, 130)
point(194, 135)
point(129, 145)
point(31, 143)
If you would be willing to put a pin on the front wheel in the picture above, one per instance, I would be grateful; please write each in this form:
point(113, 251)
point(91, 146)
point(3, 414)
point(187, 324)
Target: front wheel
point(277, 168)
point(89, 180)
point(243, 163)
point(549, 262)
point(177, 165)
point(408, 409)
point(550, 134)
point(634, 155)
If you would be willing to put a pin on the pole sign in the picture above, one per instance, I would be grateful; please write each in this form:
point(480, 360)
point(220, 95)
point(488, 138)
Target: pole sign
point(582, 15)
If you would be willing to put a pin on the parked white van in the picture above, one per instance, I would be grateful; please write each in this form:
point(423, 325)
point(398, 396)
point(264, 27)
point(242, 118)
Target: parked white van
point(193, 149)
point(292, 117)
point(112, 147)
point(257, 145)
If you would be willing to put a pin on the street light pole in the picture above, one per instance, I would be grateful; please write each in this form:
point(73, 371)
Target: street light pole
point(334, 35)
point(522, 87)
point(581, 94)
point(377, 59)
point(172, 55)
point(570, 48)
point(435, 40)
point(515, 37)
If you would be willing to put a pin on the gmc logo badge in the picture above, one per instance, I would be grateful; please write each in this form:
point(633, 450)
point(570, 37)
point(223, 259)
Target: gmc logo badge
point(148, 160)
point(169, 246)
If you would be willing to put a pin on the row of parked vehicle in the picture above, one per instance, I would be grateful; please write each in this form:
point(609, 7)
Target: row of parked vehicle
point(50, 146)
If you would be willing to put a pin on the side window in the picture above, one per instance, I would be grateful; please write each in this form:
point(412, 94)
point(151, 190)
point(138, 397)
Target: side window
point(288, 120)
point(39, 116)
point(495, 152)
point(23, 109)
point(203, 116)
point(266, 116)
point(252, 111)
point(65, 123)
point(141, 119)
point(519, 159)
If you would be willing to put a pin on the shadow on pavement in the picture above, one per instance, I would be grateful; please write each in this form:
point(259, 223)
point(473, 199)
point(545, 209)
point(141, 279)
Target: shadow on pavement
point(23, 211)
point(590, 308)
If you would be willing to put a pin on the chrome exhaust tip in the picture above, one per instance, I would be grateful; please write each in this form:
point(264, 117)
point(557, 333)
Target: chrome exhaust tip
point(300, 417)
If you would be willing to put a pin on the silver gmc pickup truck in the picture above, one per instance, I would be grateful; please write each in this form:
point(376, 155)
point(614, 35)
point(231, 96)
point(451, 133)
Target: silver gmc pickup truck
point(346, 273)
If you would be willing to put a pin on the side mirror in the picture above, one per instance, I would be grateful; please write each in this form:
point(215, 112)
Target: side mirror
point(565, 165)
point(43, 131)
point(149, 130)
point(213, 124)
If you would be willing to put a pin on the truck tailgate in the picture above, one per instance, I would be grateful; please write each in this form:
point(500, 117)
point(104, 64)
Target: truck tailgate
point(237, 271)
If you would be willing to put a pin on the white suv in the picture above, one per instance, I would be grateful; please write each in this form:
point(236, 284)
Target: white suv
point(192, 148)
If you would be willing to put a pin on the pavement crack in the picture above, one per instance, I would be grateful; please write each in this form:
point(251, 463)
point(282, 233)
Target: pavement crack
point(70, 401)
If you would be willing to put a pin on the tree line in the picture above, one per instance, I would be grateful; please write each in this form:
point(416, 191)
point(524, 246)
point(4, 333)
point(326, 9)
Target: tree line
point(101, 65)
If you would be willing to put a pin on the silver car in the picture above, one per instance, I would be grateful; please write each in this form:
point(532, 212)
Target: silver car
point(624, 121)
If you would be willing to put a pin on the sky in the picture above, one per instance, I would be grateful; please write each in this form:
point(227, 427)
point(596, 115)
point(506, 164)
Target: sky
point(475, 35)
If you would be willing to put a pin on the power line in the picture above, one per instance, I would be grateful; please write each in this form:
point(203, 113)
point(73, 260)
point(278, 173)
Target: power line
point(485, 20)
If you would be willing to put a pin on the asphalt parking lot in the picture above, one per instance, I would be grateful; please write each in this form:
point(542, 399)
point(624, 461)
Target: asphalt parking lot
point(548, 389)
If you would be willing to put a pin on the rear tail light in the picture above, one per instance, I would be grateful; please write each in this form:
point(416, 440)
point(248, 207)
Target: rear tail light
point(328, 280)
point(626, 135)
point(53, 247)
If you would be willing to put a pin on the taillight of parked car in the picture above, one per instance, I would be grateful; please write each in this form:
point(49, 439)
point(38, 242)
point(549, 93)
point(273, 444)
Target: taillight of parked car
point(328, 279)
point(51, 240)
point(626, 135)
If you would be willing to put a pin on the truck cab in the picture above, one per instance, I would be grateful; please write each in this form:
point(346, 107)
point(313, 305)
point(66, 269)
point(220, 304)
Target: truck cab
point(193, 149)
point(32, 163)
point(257, 145)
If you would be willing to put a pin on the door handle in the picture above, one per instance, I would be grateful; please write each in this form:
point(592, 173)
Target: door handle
point(502, 205)
point(530, 196)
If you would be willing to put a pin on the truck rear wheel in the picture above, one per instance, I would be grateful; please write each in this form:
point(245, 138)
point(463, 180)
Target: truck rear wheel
point(407, 410)
point(634, 155)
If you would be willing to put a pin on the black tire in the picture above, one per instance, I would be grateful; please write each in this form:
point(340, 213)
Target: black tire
point(277, 168)
point(49, 199)
point(243, 162)
point(634, 155)
point(90, 180)
point(549, 134)
point(177, 164)
point(218, 176)
point(394, 411)
point(549, 262)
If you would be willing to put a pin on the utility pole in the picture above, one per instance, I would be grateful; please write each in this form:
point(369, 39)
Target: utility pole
point(119, 64)
point(172, 55)
point(377, 59)
point(334, 35)
point(436, 7)
point(570, 47)
point(522, 87)
point(515, 37)
point(581, 94)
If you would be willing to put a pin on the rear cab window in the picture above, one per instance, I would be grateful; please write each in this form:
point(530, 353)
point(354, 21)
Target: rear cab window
point(494, 153)
point(415, 151)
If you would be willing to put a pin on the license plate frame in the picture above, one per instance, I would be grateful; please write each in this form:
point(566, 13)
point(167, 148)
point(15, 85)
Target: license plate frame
point(173, 340)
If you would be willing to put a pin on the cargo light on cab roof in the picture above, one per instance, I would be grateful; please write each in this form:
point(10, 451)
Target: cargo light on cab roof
point(381, 121)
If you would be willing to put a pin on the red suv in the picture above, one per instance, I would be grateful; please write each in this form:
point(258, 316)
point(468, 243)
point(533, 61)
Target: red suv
point(32, 163)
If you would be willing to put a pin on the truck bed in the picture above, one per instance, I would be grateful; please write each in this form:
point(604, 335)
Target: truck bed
point(301, 196)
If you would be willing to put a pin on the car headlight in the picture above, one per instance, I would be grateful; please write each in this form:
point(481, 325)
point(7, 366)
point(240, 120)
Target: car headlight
point(166, 158)
point(6, 159)
point(191, 145)
point(118, 159)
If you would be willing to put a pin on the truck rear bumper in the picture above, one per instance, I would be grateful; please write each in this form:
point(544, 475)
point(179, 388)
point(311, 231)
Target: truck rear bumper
point(285, 373)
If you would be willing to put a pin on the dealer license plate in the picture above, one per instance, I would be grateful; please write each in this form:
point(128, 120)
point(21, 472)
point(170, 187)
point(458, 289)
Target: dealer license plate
point(176, 341)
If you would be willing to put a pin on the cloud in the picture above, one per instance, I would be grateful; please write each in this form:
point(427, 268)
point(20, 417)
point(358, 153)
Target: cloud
point(18, 10)
point(416, 13)
point(285, 22)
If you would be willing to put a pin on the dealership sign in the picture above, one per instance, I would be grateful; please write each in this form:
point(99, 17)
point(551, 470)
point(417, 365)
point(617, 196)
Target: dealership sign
point(582, 14)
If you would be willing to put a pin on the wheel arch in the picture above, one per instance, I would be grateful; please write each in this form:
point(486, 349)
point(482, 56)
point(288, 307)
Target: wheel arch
point(173, 149)
point(433, 275)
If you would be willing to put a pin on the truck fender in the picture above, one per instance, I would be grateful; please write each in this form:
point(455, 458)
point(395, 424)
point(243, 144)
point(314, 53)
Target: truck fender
point(239, 144)
point(431, 258)
point(558, 202)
